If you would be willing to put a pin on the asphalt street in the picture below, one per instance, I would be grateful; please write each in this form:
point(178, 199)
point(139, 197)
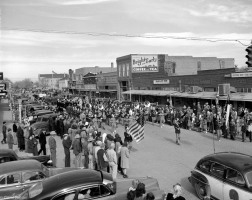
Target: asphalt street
point(159, 156)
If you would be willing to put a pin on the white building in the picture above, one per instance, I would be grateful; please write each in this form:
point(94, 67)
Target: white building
point(63, 83)
point(50, 81)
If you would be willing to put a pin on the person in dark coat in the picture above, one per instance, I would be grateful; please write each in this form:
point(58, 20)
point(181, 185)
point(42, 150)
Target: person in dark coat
point(4, 131)
point(67, 142)
point(20, 137)
point(14, 128)
point(42, 142)
point(102, 163)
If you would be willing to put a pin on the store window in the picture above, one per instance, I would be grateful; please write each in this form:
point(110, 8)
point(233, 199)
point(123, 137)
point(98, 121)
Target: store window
point(119, 70)
point(127, 69)
point(173, 68)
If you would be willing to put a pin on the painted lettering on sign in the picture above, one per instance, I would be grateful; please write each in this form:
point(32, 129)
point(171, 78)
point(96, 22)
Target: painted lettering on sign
point(148, 63)
point(166, 81)
point(241, 75)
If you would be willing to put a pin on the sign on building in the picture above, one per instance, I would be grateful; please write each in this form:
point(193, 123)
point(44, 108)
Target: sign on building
point(241, 75)
point(160, 82)
point(144, 63)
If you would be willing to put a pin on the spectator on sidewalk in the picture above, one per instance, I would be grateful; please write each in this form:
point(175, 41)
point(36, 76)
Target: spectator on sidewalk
point(125, 159)
point(112, 158)
point(67, 142)
point(176, 193)
point(77, 150)
point(53, 146)
point(42, 142)
point(10, 140)
point(4, 130)
point(14, 128)
point(20, 137)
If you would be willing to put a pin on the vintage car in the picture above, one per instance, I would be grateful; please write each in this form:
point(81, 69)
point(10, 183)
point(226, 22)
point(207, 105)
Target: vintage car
point(8, 155)
point(87, 184)
point(225, 176)
point(17, 176)
point(42, 123)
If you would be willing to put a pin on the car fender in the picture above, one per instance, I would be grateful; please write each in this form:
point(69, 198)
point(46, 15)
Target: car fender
point(198, 177)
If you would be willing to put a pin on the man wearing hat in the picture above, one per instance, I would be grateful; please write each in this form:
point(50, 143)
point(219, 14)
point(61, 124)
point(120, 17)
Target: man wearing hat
point(53, 146)
point(67, 142)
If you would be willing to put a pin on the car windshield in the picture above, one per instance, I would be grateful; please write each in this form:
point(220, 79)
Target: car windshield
point(249, 178)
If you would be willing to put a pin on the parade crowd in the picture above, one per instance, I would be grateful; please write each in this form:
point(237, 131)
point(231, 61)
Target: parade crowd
point(81, 126)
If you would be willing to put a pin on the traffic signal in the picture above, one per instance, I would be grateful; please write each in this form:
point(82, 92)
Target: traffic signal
point(249, 56)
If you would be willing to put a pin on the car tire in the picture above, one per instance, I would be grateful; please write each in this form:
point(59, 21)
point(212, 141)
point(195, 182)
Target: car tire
point(202, 190)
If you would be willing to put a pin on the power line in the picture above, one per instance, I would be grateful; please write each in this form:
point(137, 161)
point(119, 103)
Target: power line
point(98, 34)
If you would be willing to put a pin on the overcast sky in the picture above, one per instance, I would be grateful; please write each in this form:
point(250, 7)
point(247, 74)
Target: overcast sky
point(41, 36)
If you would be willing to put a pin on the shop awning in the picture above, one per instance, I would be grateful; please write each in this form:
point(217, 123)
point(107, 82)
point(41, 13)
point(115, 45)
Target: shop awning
point(199, 95)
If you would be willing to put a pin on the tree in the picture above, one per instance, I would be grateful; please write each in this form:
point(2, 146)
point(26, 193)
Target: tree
point(25, 84)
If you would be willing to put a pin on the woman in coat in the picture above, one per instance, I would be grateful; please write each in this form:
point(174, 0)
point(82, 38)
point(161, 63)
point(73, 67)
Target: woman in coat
point(125, 159)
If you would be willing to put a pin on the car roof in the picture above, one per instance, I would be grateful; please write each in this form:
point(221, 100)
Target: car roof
point(48, 115)
point(71, 179)
point(42, 111)
point(238, 161)
point(20, 165)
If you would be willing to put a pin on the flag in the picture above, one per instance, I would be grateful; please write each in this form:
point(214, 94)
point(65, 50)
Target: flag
point(136, 130)
point(54, 72)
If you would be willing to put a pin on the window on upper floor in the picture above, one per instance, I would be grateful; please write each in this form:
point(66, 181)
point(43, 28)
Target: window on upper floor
point(199, 65)
point(173, 68)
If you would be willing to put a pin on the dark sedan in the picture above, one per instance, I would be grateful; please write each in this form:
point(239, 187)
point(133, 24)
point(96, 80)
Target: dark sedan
point(87, 184)
point(226, 176)
point(8, 155)
point(17, 176)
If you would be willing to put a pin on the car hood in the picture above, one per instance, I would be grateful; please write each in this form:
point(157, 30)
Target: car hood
point(151, 185)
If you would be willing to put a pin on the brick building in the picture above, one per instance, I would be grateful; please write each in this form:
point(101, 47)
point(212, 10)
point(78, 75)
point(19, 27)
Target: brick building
point(154, 71)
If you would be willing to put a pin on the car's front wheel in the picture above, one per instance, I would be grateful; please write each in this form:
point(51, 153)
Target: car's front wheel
point(202, 190)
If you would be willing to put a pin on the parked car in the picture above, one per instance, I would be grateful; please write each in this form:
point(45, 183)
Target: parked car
point(42, 123)
point(89, 184)
point(17, 176)
point(8, 155)
point(225, 175)
point(33, 118)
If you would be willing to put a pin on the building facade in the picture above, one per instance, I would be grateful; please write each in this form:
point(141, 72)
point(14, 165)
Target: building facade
point(153, 71)
point(63, 84)
point(50, 81)
point(107, 85)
